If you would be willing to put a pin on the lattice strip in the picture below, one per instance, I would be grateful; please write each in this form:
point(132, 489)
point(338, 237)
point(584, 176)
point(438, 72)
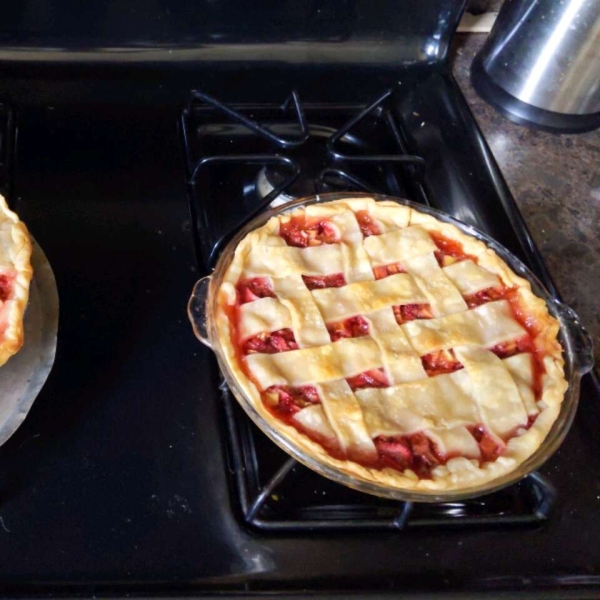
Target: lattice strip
point(283, 261)
point(357, 266)
point(442, 295)
point(338, 360)
point(307, 322)
point(485, 326)
point(399, 359)
point(494, 390)
point(455, 441)
point(397, 246)
point(365, 297)
point(444, 401)
point(345, 416)
point(520, 368)
point(263, 315)
point(470, 278)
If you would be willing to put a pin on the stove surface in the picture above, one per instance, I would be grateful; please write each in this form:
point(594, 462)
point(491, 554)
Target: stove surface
point(120, 479)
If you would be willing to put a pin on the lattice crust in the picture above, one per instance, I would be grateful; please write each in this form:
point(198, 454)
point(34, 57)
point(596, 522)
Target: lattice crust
point(401, 293)
point(15, 276)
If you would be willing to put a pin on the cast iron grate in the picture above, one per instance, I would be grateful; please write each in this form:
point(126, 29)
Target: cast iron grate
point(312, 148)
point(344, 147)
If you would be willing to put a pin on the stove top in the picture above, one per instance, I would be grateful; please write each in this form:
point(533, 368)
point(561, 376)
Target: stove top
point(135, 472)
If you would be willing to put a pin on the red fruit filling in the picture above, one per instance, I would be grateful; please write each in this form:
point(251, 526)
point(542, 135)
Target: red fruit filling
point(318, 282)
point(513, 347)
point(387, 270)
point(373, 378)
point(286, 400)
point(416, 452)
point(252, 289)
point(367, 225)
point(449, 251)
point(491, 448)
point(270, 343)
point(6, 287)
point(410, 312)
point(350, 328)
point(440, 362)
point(487, 295)
point(302, 232)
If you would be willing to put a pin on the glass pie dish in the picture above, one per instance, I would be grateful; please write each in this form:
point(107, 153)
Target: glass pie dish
point(575, 341)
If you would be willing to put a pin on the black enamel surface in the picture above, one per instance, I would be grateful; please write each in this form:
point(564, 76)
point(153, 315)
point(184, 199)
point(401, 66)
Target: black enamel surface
point(118, 476)
point(118, 481)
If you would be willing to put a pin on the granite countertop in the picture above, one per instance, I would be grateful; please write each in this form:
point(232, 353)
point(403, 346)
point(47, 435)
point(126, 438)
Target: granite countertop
point(555, 180)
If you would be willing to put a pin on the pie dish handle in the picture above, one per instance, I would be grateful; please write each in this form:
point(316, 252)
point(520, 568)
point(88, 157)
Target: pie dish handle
point(197, 312)
point(581, 340)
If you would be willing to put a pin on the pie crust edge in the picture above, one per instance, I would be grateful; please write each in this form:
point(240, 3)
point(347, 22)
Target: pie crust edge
point(458, 473)
point(20, 257)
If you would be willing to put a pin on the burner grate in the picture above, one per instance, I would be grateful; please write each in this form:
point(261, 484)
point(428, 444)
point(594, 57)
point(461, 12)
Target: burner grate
point(213, 134)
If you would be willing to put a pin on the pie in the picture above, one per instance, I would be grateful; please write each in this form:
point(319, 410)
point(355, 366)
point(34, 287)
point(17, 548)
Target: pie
point(390, 345)
point(15, 276)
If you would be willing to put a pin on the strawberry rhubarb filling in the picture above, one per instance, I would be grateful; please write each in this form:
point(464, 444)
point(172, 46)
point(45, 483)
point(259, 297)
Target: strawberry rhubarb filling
point(302, 232)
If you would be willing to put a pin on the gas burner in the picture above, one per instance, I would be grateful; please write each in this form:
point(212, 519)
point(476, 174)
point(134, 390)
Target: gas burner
point(312, 159)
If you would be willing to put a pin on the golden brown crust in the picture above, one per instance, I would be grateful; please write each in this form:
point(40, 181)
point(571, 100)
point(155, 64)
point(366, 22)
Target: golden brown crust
point(15, 257)
point(458, 473)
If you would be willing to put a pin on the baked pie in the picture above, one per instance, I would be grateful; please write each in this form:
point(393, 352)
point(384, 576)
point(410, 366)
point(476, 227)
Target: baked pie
point(15, 276)
point(390, 345)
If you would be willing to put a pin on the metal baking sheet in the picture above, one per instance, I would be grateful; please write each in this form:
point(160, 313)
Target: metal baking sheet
point(24, 375)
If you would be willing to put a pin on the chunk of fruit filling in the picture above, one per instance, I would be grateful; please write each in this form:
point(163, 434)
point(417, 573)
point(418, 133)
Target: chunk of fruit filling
point(375, 378)
point(490, 446)
point(319, 282)
point(350, 328)
point(270, 343)
point(387, 270)
point(252, 289)
point(6, 286)
point(512, 347)
point(410, 312)
point(367, 224)
point(440, 362)
point(415, 452)
point(487, 295)
point(303, 232)
point(449, 251)
point(287, 400)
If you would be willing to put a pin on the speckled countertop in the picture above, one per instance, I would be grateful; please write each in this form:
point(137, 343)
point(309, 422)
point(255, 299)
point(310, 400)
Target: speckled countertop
point(555, 180)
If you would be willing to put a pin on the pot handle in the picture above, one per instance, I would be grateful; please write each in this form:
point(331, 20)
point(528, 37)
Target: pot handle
point(197, 310)
point(583, 347)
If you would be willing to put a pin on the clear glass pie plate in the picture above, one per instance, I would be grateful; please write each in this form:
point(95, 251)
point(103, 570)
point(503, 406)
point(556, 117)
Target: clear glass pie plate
point(575, 340)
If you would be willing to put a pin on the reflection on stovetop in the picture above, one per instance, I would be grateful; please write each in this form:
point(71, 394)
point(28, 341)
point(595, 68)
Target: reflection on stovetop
point(240, 162)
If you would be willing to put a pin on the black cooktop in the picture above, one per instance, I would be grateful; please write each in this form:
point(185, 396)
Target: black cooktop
point(123, 478)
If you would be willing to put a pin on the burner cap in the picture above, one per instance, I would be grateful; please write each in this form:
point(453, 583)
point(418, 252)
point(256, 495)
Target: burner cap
point(312, 156)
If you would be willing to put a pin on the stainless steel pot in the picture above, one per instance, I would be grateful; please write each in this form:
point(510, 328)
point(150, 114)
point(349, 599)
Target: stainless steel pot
point(540, 65)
